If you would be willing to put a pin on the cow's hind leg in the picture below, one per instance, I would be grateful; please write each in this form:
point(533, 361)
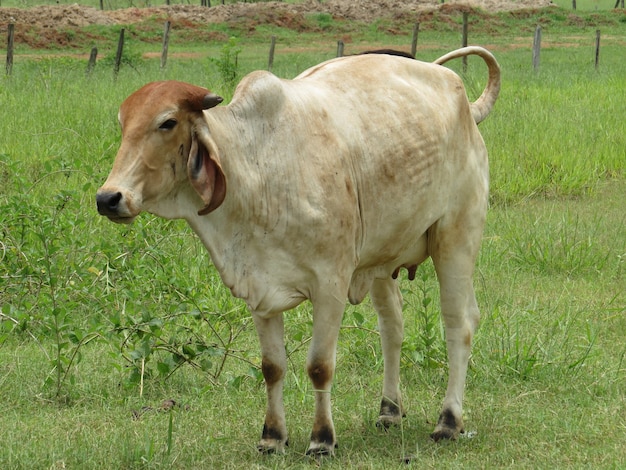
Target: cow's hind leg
point(453, 248)
point(387, 301)
point(273, 365)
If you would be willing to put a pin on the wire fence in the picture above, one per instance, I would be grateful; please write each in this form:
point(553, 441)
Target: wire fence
point(535, 60)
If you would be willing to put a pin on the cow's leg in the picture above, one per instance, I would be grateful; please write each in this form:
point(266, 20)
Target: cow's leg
point(273, 365)
point(454, 247)
point(327, 314)
point(387, 300)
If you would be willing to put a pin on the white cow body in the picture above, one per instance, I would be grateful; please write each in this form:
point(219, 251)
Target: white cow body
point(321, 188)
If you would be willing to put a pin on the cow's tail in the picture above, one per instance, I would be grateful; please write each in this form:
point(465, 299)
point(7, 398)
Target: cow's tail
point(483, 105)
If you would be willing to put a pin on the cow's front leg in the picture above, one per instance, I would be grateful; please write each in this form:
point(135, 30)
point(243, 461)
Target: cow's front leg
point(273, 365)
point(327, 316)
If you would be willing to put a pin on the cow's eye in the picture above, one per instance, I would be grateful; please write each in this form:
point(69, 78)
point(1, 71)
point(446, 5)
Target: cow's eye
point(169, 124)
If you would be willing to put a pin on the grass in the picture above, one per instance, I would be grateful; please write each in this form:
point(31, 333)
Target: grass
point(586, 5)
point(101, 324)
point(546, 380)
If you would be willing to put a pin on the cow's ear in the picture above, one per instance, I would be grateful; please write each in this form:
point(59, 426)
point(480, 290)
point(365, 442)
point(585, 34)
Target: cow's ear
point(205, 174)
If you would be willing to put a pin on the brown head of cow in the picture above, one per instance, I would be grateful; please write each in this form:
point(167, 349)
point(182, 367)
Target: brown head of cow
point(159, 148)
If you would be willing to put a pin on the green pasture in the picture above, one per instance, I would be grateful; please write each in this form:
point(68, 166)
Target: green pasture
point(102, 326)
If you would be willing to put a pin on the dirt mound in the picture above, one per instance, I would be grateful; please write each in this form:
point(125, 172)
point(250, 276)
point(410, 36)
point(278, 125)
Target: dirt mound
point(76, 16)
point(57, 16)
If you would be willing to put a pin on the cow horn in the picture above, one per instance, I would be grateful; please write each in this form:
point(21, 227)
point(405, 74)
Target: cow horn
point(211, 100)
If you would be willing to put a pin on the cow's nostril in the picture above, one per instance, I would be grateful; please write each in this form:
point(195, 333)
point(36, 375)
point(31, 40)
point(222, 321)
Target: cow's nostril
point(108, 202)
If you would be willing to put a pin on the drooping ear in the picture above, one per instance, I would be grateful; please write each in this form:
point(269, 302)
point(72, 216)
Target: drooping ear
point(205, 172)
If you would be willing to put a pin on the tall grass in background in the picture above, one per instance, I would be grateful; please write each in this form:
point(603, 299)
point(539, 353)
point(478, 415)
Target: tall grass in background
point(554, 132)
point(586, 5)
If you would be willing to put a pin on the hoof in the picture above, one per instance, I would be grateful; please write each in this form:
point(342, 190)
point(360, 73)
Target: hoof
point(441, 434)
point(391, 414)
point(448, 427)
point(269, 446)
point(273, 440)
point(270, 450)
point(323, 442)
point(321, 449)
point(385, 422)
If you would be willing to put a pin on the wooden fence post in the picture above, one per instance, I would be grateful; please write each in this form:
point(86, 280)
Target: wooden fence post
point(536, 47)
point(92, 60)
point(597, 48)
point(340, 48)
point(11, 34)
point(271, 58)
point(118, 55)
point(166, 43)
point(573, 4)
point(464, 39)
point(416, 29)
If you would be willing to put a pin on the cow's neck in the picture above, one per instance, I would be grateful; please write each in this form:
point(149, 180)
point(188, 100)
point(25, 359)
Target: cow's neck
point(232, 256)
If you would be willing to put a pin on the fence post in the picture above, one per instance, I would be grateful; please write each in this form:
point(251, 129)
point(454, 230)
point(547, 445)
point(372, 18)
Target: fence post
point(416, 29)
point(92, 60)
point(573, 4)
point(270, 63)
point(340, 48)
point(597, 48)
point(118, 55)
point(11, 34)
point(536, 47)
point(166, 42)
point(464, 39)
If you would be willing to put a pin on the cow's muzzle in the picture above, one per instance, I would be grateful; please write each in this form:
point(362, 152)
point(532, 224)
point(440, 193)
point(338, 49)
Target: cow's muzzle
point(110, 204)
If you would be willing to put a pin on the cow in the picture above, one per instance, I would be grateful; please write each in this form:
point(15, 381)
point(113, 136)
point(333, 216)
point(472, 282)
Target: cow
point(322, 188)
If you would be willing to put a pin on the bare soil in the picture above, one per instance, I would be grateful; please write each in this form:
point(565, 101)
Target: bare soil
point(54, 16)
point(51, 25)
